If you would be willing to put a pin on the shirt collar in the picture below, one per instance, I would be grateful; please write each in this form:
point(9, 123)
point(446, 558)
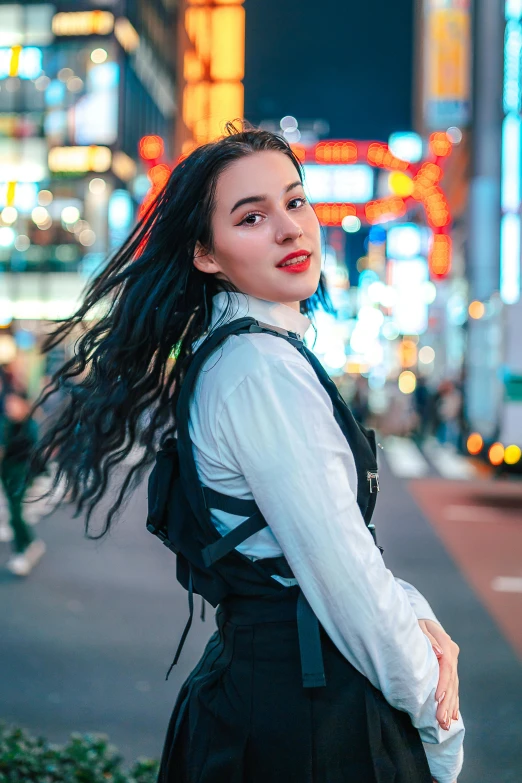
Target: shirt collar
point(243, 305)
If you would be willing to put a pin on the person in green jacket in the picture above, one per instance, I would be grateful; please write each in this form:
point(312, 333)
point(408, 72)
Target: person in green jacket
point(18, 435)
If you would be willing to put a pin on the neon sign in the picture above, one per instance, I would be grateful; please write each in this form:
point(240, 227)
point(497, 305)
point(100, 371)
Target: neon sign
point(415, 184)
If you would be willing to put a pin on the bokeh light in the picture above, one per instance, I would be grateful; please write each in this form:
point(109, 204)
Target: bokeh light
point(512, 454)
point(97, 185)
point(476, 310)
point(98, 56)
point(151, 147)
point(475, 443)
point(9, 215)
point(407, 382)
point(496, 454)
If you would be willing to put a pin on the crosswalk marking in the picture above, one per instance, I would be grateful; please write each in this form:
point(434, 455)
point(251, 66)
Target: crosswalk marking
point(407, 460)
point(447, 461)
point(468, 514)
point(404, 458)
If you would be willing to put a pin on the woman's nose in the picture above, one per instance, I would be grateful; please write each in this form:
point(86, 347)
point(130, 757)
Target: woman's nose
point(288, 229)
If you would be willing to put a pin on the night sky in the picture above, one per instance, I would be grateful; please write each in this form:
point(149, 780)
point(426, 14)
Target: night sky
point(345, 61)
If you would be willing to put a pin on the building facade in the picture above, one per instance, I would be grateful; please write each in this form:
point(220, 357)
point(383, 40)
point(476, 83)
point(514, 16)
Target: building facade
point(81, 83)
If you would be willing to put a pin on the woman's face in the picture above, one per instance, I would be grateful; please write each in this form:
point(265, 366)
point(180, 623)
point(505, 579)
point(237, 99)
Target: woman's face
point(251, 239)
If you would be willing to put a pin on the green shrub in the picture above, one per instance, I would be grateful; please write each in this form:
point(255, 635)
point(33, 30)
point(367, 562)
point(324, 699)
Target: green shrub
point(86, 758)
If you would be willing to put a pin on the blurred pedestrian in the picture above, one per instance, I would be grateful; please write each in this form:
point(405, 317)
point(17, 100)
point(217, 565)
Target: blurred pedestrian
point(449, 408)
point(18, 436)
point(422, 399)
point(323, 666)
point(360, 404)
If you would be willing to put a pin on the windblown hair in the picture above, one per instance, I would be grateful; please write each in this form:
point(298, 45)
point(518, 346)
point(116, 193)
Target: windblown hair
point(147, 304)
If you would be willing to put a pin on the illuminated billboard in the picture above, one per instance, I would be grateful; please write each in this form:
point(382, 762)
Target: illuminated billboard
point(339, 183)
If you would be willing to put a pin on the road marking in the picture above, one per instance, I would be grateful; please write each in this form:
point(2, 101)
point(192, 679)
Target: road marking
point(447, 461)
point(468, 514)
point(507, 584)
point(405, 458)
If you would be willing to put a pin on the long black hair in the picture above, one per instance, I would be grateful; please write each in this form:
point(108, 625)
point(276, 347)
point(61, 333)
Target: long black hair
point(148, 304)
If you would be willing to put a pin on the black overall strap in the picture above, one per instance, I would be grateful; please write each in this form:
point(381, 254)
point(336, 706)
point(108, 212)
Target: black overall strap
point(231, 540)
point(312, 666)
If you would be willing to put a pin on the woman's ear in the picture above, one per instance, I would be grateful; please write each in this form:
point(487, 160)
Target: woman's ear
point(204, 260)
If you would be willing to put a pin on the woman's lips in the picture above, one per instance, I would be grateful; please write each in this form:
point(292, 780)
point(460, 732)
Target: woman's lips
point(295, 268)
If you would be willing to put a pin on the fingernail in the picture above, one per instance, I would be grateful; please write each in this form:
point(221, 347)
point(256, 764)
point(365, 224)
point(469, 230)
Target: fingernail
point(437, 649)
point(441, 697)
point(445, 721)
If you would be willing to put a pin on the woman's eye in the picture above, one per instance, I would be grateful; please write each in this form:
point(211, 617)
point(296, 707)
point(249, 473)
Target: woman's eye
point(249, 218)
point(302, 199)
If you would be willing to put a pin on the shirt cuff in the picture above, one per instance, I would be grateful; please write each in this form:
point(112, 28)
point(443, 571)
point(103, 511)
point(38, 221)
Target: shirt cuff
point(445, 760)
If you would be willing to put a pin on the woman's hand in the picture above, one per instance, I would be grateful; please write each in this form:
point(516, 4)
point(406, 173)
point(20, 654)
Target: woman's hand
point(447, 652)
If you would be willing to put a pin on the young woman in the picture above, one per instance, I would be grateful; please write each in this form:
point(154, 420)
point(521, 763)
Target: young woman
point(224, 272)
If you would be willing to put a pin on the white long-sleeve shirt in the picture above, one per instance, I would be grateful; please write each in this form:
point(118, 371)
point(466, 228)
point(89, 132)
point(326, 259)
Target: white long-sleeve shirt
point(262, 426)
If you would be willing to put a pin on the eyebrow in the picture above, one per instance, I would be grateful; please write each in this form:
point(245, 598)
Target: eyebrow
point(255, 199)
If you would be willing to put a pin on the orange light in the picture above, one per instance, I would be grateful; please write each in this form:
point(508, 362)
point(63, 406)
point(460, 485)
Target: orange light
point(379, 155)
point(439, 257)
point(159, 175)
point(198, 27)
point(476, 310)
point(475, 443)
point(336, 152)
point(193, 68)
point(333, 214)
point(429, 174)
point(83, 23)
point(228, 43)
point(496, 454)
point(384, 209)
point(440, 144)
point(299, 151)
point(151, 147)
point(226, 101)
point(437, 209)
point(196, 98)
point(408, 353)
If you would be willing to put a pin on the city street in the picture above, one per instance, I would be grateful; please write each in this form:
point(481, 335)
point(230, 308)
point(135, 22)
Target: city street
point(88, 637)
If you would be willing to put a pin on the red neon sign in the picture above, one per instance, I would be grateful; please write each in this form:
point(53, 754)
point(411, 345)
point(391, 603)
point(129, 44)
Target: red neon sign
point(424, 189)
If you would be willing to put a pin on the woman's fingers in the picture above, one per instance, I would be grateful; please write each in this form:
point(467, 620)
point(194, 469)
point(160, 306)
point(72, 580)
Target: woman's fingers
point(447, 691)
point(448, 706)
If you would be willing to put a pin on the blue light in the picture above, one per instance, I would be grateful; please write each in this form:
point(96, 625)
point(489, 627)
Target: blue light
point(510, 193)
point(377, 235)
point(406, 146)
point(103, 77)
point(29, 62)
point(512, 50)
point(55, 93)
point(119, 217)
point(30, 66)
point(510, 258)
point(513, 9)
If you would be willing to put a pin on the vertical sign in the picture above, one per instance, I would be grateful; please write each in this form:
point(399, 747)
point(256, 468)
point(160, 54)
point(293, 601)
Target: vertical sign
point(213, 68)
point(510, 189)
point(446, 63)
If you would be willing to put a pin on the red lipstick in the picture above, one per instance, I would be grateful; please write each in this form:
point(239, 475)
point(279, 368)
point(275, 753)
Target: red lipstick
point(298, 266)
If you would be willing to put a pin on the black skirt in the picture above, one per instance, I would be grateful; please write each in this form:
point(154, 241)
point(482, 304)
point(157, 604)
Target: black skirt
point(243, 716)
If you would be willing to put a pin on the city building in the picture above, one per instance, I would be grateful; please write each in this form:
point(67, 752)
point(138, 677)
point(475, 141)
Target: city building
point(82, 84)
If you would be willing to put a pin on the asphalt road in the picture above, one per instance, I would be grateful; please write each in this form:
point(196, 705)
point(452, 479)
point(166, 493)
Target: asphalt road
point(86, 640)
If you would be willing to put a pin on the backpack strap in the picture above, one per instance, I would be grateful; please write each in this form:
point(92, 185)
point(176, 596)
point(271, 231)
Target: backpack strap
point(312, 666)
